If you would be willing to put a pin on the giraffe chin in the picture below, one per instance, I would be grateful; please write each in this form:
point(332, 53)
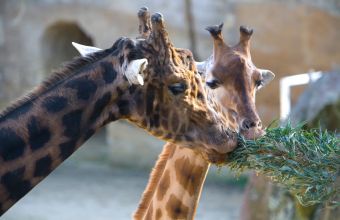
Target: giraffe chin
point(215, 158)
point(212, 156)
point(218, 157)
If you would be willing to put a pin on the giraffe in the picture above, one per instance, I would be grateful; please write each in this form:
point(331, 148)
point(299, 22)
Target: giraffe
point(146, 81)
point(176, 181)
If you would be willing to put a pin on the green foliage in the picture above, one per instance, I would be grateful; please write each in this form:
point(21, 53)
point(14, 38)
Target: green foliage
point(306, 162)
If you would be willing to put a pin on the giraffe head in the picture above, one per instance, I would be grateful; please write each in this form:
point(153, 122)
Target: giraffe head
point(235, 79)
point(167, 96)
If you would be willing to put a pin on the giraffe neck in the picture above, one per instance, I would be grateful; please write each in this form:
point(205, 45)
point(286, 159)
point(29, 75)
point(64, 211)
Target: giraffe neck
point(174, 186)
point(42, 130)
point(176, 182)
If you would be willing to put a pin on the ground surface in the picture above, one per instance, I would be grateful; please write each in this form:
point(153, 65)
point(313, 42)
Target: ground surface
point(91, 190)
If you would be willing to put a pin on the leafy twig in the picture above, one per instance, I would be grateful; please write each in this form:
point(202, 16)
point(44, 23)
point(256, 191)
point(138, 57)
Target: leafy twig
point(306, 162)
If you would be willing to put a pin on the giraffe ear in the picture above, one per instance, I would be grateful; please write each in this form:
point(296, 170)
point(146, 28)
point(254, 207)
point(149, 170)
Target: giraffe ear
point(134, 70)
point(267, 76)
point(201, 67)
point(85, 50)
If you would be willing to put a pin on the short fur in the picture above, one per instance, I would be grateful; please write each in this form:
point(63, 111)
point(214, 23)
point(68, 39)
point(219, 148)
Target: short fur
point(155, 176)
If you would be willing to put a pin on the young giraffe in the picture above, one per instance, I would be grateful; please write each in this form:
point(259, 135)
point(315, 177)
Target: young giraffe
point(176, 181)
point(40, 131)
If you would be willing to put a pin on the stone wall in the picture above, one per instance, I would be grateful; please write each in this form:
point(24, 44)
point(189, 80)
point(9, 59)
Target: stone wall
point(291, 37)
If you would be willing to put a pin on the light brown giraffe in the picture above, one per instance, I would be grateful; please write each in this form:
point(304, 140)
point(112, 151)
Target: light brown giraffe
point(176, 181)
point(45, 127)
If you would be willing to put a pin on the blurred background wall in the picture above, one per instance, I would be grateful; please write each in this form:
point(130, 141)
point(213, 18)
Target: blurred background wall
point(291, 37)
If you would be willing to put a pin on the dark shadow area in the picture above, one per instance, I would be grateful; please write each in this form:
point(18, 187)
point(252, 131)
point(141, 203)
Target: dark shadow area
point(56, 43)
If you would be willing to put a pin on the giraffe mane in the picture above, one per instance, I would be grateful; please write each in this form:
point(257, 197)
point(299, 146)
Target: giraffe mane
point(67, 70)
point(155, 175)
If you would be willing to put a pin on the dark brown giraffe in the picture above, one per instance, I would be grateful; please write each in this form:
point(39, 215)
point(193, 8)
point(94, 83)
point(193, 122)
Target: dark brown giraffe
point(45, 127)
point(176, 181)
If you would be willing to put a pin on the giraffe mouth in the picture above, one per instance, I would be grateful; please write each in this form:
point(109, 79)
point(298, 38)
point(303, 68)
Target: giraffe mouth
point(219, 156)
point(251, 134)
point(217, 152)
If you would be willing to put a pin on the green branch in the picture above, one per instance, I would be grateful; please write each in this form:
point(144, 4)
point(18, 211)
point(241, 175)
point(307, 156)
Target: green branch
point(306, 162)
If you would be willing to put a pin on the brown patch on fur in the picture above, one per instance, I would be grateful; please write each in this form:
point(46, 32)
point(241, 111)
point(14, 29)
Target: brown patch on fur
point(176, 209)
point(188, 174)
point(183, 128)
point(158, 214)
point(174, 121)
point(7, 204)
point(154, 179)
point(163, 185)
point(165, 123)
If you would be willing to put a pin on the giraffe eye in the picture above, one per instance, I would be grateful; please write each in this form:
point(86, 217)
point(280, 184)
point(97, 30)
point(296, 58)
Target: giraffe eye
point(213, 84)
point(177, 88)
point(259, 83)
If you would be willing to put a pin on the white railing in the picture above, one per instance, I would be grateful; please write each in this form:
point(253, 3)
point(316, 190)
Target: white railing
point(286, 83)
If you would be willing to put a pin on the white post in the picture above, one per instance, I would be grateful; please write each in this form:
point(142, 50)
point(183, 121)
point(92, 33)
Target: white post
point(286, 83)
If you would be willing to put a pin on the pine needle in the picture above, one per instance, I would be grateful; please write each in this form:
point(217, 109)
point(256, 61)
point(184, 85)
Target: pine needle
point(306, 162)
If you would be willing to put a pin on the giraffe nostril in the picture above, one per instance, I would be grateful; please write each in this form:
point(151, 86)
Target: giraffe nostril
point(245, 124)
point(248, 124)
